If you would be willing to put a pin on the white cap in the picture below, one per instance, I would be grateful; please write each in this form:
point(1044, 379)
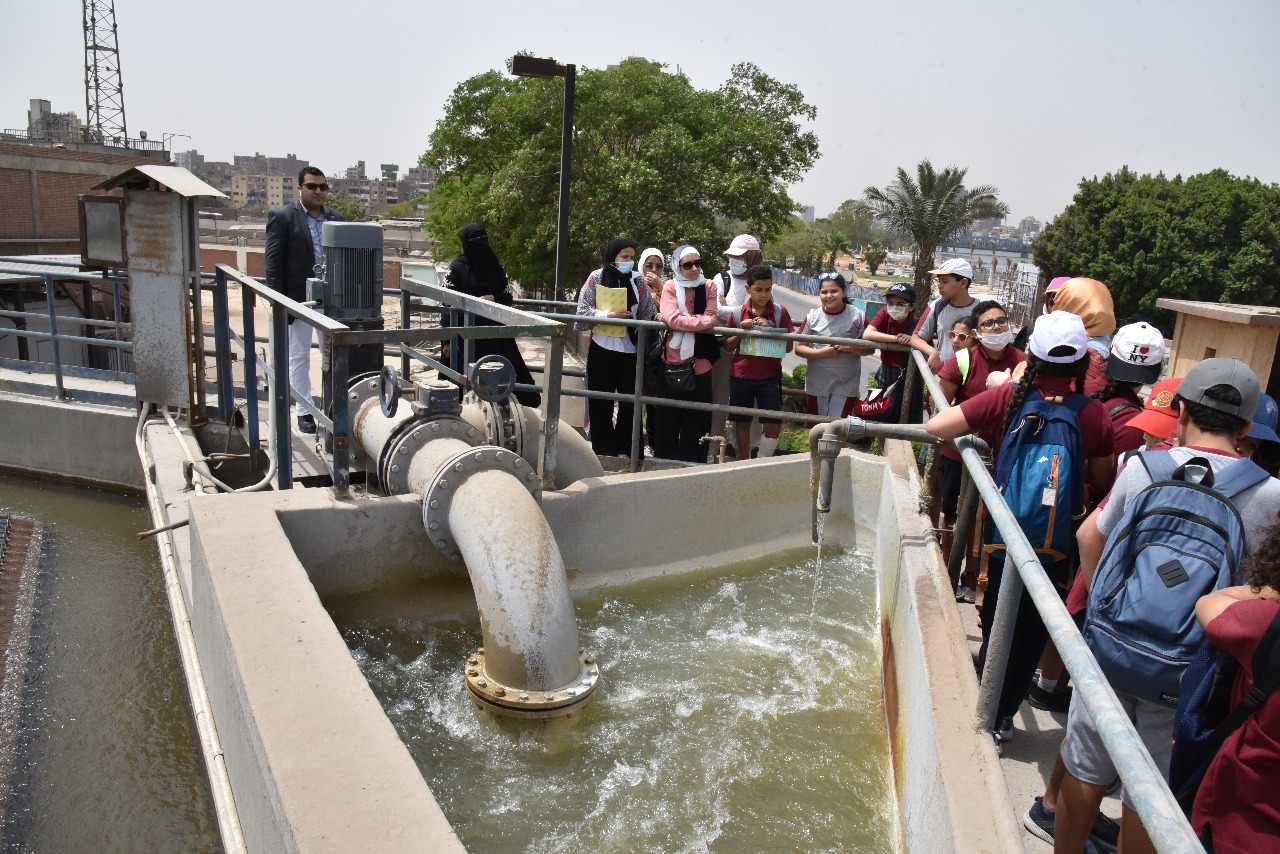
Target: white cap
point(742, 244)
point(1137, 351)
point(954, 267)
point(1058, 337)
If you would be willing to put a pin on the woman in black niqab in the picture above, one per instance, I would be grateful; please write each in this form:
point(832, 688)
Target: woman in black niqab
point(477, 272)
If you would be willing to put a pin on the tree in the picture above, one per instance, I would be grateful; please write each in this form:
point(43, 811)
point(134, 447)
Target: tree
point(349, 206)
point(831, 241)
point(798, 240)
point(855, 221)
point(930, 208)
point(1212, 237)
point(653, 159)
point(874, 256)
point(400, 210)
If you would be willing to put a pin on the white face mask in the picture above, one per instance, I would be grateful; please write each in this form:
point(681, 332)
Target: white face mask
point(737, 267)
point(898, 312)
point(996, 340)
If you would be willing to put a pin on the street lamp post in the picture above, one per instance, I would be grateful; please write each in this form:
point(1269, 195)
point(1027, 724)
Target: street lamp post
point(547, 69)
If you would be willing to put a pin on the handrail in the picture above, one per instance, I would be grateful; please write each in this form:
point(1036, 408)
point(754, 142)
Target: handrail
point(1155, 804)
point(21, 332)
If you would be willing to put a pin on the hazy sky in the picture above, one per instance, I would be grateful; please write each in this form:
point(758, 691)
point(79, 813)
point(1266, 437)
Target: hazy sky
point(1030, 96)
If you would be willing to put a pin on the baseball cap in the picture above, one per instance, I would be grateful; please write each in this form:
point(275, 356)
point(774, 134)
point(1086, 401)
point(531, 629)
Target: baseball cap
point(901, 290)
point(1136, 353)
point(1058, 337)
point(954, 267)
point(1222, 371)
point(742, 244)
point(1158, 417)
point(1264, 420)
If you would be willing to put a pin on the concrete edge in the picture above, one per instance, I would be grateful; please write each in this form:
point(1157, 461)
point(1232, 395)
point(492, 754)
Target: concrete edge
point(969, 785)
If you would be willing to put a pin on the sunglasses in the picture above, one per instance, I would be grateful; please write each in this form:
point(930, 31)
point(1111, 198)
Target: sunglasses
point(994, 323)
point(313, 187)
point(653, 265)
point(958, 337)
point(826, 276)
point(690, 265)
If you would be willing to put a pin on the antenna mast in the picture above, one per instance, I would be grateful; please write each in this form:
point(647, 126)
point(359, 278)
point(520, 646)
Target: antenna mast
point(103, 91)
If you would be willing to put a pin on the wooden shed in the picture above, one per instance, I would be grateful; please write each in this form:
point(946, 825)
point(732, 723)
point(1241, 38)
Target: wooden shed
point(1209, 329)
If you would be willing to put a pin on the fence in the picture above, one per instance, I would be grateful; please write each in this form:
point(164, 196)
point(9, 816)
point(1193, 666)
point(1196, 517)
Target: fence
point(22, 271)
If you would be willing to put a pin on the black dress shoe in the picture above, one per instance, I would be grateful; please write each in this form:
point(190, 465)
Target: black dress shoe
point(306, 424)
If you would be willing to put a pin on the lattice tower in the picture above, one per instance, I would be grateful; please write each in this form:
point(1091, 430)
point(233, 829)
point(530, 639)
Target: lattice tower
point(103, 90)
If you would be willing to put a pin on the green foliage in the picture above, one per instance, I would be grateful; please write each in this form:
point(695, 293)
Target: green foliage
point(1212, 237)
point(254, 210)
point(798, 240)
point(349, 206)
point(653, 158)
point(401, 210)
point(874, 256)
point(929, 208)
point(796, 441)
point(855, 221)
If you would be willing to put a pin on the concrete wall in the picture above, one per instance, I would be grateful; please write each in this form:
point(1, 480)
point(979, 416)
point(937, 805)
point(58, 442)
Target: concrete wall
point(79, 441)
point(314, 759)
point(951, 792)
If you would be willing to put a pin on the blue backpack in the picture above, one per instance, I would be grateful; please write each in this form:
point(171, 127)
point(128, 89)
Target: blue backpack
point(1205, 715)
point(1040, 472)
point(1177, 541)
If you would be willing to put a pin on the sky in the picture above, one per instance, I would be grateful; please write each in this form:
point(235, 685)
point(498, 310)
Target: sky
point(1030, 97)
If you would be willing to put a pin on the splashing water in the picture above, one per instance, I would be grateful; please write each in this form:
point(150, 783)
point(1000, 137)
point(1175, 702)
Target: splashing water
point(720, 724)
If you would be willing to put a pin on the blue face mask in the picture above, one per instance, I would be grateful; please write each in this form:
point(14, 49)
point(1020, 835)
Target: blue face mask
point(625, 266)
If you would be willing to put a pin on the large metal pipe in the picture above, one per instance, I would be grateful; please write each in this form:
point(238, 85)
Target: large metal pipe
point(478, 505)
point(522, 591)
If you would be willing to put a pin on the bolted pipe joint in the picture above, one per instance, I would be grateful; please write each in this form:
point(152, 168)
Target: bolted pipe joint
point(518, 702)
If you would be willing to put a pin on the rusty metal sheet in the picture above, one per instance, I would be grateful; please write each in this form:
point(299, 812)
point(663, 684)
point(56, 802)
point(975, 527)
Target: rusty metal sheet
point(154, 230)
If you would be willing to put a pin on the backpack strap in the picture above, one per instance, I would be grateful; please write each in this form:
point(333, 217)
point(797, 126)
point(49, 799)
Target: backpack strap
point(726, 282)
point(1121, 407)
point(1266, 676)
point(1160, 465)
point(1243, 474)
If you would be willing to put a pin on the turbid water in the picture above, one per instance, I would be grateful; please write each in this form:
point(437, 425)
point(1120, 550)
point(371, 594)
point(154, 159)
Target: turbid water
point(106, 756)
point(723, 722)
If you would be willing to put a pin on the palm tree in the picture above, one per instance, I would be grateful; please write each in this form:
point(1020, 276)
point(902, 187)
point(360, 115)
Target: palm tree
point(928, 209)
point(833, 242)
point(874, 256)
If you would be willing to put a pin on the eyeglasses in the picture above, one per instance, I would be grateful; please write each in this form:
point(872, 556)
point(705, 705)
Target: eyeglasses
point(690, 265)
point(958, 337)
point(826, 276)
point(994, 323)
point(313, 187)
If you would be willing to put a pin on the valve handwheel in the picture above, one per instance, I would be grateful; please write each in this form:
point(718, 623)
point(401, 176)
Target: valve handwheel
point(389, 390)
point(495, 383)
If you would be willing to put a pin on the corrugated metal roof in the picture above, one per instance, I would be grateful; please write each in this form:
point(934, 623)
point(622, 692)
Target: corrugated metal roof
point(33, 270)
point(176, 178)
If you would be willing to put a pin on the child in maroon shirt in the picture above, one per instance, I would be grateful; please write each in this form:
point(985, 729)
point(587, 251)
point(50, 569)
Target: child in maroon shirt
point(1236, 809)
point(756, 381)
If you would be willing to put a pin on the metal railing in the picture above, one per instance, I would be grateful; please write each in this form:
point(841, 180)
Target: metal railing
point(1155, 804)
point(117, 345)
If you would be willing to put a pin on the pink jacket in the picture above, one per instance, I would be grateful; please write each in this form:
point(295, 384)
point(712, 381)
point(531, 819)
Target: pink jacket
point(688, 322)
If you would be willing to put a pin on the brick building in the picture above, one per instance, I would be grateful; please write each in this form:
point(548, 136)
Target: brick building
point(39, 185)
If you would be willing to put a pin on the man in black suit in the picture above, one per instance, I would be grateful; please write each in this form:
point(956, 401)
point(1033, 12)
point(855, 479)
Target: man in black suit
point(293, 255)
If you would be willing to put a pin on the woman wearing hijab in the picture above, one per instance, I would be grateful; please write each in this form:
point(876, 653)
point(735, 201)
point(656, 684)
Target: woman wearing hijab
point(689, 303)
point(652, 267)
point(614, 290)
point(478, 273)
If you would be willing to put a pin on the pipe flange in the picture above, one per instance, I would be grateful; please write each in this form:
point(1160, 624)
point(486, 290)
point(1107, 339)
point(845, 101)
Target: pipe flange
point(439, 494)
point(504, 423)
point(362, 389)
point(510, 701)
point(408, 439)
